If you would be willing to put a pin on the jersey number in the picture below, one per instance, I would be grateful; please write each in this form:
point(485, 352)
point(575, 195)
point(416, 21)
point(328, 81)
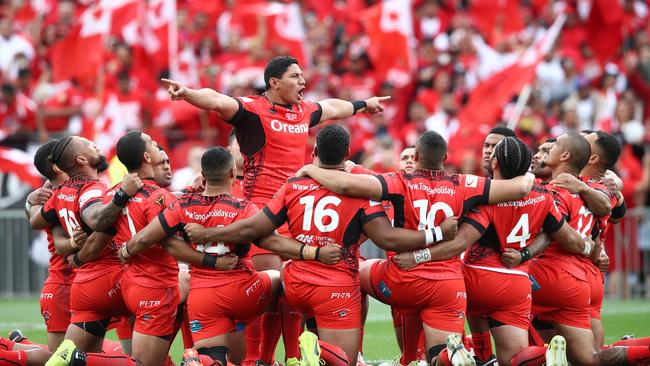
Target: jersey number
point(219, 249)
point(427, 219)
point(520, 227)
point(584, 213)
point(319, 213)
point(125, 212)
point(71, 222)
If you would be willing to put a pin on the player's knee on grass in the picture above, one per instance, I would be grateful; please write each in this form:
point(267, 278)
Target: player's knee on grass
point(217, 353)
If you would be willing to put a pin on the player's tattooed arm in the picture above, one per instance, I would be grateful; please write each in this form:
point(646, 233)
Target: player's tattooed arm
point(100, 217)
point(502, 190)
point(598, 202)
point(385, 236)
point(339, 109)
point(293, 249)
point(467, 234)
point(512, 258)
point(354, 185)
point(241, 231)
point(205, 98)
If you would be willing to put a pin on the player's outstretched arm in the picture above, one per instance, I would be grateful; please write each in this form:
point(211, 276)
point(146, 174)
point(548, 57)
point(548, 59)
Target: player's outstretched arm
point(338, 108)
point(598, 202)
point(205, 98)
point(240, 231)
point(182, 251)
point(571, 240)
point(385, 236)
point(467, 234)
point(502, 190)
point(354, 185)
point(293, 249)
point(100, 217)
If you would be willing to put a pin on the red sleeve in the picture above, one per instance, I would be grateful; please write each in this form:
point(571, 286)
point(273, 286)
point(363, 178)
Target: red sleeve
point(360, 169)
point(276, 209)
point(478, 217)
point(48, 211)
point(391, 186)
point(372, 210)
point(171, 218)
point(554, 219)
point(91, 194)
point(248, 211)
point(158, 201)
point(476, 190)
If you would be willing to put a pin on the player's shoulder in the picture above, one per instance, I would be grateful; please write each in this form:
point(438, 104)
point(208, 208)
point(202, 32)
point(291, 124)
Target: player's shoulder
point(80, 182)
point(539, 188)
point(196, 199)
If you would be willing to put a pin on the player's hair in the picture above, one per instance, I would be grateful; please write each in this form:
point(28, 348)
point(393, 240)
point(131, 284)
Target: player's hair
point(551, 140)
point(276, 68)
point(41, 161)
point(130, 150)
point(503, 131)
point(61, 155)
point(513, 157)
point(431, 148)
point(610, 146)
point(332, 145)
point(588, 132)
point(216, 163)
point(580, 150)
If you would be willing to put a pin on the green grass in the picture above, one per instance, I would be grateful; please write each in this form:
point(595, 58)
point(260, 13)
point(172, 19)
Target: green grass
point(620, 317)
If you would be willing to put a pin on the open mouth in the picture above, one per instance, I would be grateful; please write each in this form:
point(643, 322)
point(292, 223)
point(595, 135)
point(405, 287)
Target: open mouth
point(301, 93)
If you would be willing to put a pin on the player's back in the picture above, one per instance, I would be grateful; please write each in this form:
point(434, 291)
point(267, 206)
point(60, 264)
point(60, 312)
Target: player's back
point(511, 224)
point(211, 211)
point(153, 267)
point(423, 199)
point(318, 217)
point(273, 140)
point(65, 207)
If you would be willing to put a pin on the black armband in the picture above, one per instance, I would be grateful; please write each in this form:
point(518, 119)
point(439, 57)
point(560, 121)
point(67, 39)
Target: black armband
point(209, 261)
point(525, 255)
point(317, 254)
point(619, 211)
point(76, 260)
point(358, 104)
point(302, 249)
point(121, 198)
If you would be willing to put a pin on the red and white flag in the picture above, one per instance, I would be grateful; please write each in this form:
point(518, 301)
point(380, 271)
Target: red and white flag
point(497, 19)
point(21, 164)
point(110, 126)
point(389, 26)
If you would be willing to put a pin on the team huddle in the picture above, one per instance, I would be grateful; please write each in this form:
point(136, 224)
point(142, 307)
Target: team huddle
point(273, 244)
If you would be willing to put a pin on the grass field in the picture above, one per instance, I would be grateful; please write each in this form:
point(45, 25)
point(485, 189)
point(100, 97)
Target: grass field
point(621, 317)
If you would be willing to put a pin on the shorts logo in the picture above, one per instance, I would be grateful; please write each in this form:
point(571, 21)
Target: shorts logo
point(461, 315)
point(461, 295)
point(114, 290)
point(253, 287)
point(343, 313)
point(384, 290)
point(195, 326)
point(148, 303)
point(146, 317)
point(471, 181)
point(47, 295)
point(46, 316)
point(340, 295)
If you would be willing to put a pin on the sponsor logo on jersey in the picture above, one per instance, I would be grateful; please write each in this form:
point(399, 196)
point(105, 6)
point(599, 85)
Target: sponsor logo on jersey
point(278, 126)
point(291, 116)
point(384, 290)
point(160, 201)
point(66, 197)
point(471, 181)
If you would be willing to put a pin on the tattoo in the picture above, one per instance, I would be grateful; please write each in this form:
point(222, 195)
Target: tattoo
point(540, 243)
point(100, 217)
point(615, 356)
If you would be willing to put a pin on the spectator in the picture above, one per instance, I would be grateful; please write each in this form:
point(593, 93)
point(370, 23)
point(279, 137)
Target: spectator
point(185, 176)
point(15, 50)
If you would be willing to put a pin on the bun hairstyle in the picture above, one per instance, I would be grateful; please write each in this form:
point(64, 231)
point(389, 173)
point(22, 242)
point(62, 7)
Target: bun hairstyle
point(58, 150)
point(513, 156)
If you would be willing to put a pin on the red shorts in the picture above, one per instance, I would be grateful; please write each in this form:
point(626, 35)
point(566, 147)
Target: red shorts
point(597, 285)
point(503, 297)
point(123, 327)
point(334, 307)
point(55, 306)
point(562, 298)
point(154, 308)
point(215, 310)
point(440, 303)
point(99, 298)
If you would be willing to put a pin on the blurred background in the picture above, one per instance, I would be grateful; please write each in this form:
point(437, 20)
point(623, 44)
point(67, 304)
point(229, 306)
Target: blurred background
point(459, 67)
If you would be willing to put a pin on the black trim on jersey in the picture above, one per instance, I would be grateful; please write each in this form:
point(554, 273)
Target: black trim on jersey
point(242, 249)
point(248, 130)
point(477, 225)
point(396, 199)
point(551, 225)
point(619, 211)
point(50, 216)
point(278, 219)
point(490, 239)
point(482, 199)
point(353, 230)
point(384, 188)
point(315, 116)
point(367, 218)
point(90, 203)
point(169, 231)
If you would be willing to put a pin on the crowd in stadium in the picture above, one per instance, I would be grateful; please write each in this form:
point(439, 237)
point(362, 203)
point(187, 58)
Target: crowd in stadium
point(577, 115)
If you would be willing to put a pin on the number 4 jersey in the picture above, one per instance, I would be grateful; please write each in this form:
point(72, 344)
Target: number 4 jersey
point(211, 211)
point(65, 208)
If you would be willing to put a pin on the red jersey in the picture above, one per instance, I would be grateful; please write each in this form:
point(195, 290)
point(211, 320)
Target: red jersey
point(59, 271)
point(424, 199)
point(318, 217)
point(237, 188)
point(211, 211)
point(65, 208)
point(581, 219)
point(512, 224)
point(272, 140)
point(153, 267)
